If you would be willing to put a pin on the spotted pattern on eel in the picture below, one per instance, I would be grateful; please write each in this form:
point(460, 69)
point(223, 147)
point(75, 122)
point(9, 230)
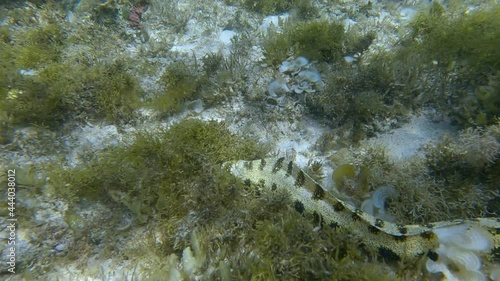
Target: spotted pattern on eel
point(390, 240)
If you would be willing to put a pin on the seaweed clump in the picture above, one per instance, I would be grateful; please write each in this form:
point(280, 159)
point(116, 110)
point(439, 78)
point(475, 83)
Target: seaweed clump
point(315, 40)
point(171, 171)
point(61, 92)
point(267, 7)
point(285, 246)
point(47, 82)
point(455, 180)
point(357, 96)
point(448, 60)
point(173, 178)
point(181, 82)
point(212, 81)
point(457, 54)
point(39, 45)
point(468, 166)
point(305, 9)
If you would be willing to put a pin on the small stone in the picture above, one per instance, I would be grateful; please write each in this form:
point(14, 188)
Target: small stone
point(60, 247)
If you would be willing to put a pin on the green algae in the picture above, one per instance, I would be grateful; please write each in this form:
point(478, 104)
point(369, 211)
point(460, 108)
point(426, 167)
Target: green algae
point(448, 60)
point(105, 92)
point(318, 40)
point(267, 7)
point(181, 82)
point(315, 40)
point(173, 165)
point(356, 96)
point(174, 178)
point(47, 85)
point(303, 9)
point(468, 164)
point(459, 49)
point(455, 178)
point(39, 45)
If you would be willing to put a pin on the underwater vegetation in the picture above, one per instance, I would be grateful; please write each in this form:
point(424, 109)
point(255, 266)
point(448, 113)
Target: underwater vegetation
point(173, 178)
point(181, 82)
point(454, 179)
point(354, 94)
point(350, 182)
point(318, 40)
point(172, 171)
point(469, 163)
point(447, 60)
point(305, 9)
point(286, 247)
point(213, 81)
point(315, 40)
point(40, 45)
point(267, 7)
point(51, 76)
point(61, 92)
point(456, 53)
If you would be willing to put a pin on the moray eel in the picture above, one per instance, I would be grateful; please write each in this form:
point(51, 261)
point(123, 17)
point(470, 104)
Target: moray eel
point(390, 240)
